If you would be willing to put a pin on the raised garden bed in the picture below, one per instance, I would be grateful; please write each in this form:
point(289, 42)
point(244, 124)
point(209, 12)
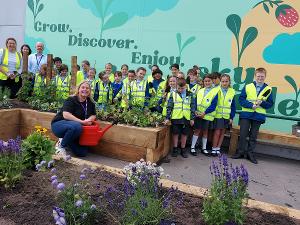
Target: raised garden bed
point(32, 200)
point(123, 142)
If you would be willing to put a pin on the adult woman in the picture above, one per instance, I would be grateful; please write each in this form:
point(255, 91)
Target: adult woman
point(77, 110)
point(25, 48)
point(10, 67)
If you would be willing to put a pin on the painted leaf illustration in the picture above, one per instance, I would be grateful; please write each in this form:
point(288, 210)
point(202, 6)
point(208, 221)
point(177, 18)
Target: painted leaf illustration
point(266, 8)
point(30, 4)
point(37, 2)
point(116, 20)
point(98, 5)
point(249, 36)
point(233, 23)
point(106, 7)
point(188, 41)
point(178, 38)
point(292, 83)
point(41, 6)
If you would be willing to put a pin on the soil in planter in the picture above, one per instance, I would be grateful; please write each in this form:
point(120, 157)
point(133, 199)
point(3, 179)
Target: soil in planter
point(14, 103)
point(31, 201)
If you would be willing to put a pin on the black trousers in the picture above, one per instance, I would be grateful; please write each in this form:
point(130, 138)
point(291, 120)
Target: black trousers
point(248, 128)
point(12, 86)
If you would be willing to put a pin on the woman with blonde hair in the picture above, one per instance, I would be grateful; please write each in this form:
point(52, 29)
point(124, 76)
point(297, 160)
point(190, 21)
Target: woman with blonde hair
point(77, 110)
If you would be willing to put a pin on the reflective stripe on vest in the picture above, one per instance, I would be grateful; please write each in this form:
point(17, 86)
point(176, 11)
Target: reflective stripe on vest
point(125, 92)
point(252, 97)
point(105, 93)
point(138, 93)
point(39, 83)
point(182, 107)
point(194, 89)
point(203, 102)
point(4, 64)
point(62, 87)
point(223, 109)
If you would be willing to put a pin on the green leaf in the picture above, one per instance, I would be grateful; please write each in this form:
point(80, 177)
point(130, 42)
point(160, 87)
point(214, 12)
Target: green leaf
point(249, 36)
point(266, 8)
point(41, 7)
point(292, 83)
point(98, 5)
point(233, 23)
point(178, 38)
point(188, 41)
point(30, 4)
point(281, 9)
point(116, 20)
point(106, 7)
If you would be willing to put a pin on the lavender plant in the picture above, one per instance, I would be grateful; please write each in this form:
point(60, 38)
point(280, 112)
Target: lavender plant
point(37, 147)
point(11, 162)
point(224, 201)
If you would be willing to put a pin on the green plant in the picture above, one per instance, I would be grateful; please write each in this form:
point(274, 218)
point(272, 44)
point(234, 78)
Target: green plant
point(37, 147)
point(233, 23)
point(228, 191)
point(11, 162)
point(24, 92)
point(4, 98)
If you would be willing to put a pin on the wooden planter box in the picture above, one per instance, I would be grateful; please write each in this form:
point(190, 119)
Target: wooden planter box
point(123, 142)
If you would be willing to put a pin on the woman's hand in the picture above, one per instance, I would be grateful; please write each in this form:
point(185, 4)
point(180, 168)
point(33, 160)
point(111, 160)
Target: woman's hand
point(86, 122)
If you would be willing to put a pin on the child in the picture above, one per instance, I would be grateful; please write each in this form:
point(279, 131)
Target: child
point(104, 90)
point(193, 86)
point(150, 76)
point(216, 79)
point(181, 112)
point(57, 64)
point(180, 75)
point(93, 82)
point(139, 90)
point(108, 71)
point(62, 83)
point(157, 88)
point(40, 80)
point(170, 88)
point(207, 99)
point(117, 87)
point(124, 71)
point(126, 88)
point(174, 69)
point(225, 113)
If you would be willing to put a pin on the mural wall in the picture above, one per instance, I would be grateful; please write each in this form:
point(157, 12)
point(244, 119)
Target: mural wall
point(232, 36)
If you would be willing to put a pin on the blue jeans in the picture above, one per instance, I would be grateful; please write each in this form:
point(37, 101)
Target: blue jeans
point(70, 132)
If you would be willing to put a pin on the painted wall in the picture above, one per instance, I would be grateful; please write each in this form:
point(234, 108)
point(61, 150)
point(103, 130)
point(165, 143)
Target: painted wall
point(232, 36)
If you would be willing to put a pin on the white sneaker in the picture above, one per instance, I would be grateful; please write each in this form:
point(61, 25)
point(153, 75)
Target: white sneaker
point(60, 151)
point(58, 142)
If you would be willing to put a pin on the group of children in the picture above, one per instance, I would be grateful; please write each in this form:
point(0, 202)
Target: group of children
point(194, 106)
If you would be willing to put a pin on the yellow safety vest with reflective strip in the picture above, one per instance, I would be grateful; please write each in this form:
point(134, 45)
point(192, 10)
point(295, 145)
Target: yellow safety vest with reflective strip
point(4, 64)
point(252, 97)
point(111, 77)
point(165, 104)
point(138, 93)
point(105, 93)
point(79, 77)
point(39, 83)
point(203, 102)
point(125, 92)
point(223, 109)
point(182, 107)
point(62, 86)
point(161, 89)
point(149, 78)
point(194, 89)
point(93, 84)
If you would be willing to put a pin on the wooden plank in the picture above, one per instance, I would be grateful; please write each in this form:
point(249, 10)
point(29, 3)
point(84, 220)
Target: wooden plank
point(25, 62)
point(74, 74)
point(121, 151)
point(234, 137)
point(49, 68)
point(9, 123)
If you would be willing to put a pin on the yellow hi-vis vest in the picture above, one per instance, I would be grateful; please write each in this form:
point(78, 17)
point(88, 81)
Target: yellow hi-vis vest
point(62, 86)
point(165, 104)
point(194, 89)
point(138, 93)
point(125, 92)
point(182, 107)
point(4, 64)
point(161, 89)
point(79, 77)
point(203, 102)
point(111, 77)
point(93, 84)
point(223, 109)
point(252, 97)
point(105, 93)
point(39, 84)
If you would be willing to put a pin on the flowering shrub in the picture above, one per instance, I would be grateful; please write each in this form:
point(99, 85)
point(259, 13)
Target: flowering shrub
point(75, 205)
point(141, 200)
point(228, 191)
point(37, 147)
point(4, 98)
point(11, 162)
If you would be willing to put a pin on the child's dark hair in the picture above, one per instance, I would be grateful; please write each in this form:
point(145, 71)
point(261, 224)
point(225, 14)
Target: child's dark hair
point(101, 74)
point(168, 87)
point(118, 73)
point(155, 66)
point(175, 65)
point(124, 65)
point(157, 71)
point(131, 71)
point(216, 75)
point(141, 68)
point(195, 67)
point(181, 82)
point(57, 59)
point(63, 67)
point(192, 71)
point(209, 76)
point(86, 62)
point(93, 70)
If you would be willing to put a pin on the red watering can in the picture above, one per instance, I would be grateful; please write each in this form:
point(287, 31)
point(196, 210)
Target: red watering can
point(91, 135)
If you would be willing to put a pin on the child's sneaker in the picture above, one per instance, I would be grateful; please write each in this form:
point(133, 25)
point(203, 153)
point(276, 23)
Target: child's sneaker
point(60, 151)
point(174, 152)
point(193, 152)
point(58, 142)
point(205, 152)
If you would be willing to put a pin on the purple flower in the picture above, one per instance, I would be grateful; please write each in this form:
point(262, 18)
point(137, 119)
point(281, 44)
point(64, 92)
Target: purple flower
point(82, 177)
point(60, 186)
point(84, 215)
point(50, 164)
point(85, 170)
point(134, 212)
point(54, 177)
point(93, 206)
point(53, 170)
point(38, 167)
point(144, 203)
point(78, 203)
point(244, 175)
point(54, 183)
point(43, 162)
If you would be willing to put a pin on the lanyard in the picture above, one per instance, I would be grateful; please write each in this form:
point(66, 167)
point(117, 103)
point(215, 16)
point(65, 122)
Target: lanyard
point(84, 107)
point(37, 61)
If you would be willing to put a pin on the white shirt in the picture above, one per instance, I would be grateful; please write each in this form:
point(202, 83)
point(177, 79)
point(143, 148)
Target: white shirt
point(35, 61)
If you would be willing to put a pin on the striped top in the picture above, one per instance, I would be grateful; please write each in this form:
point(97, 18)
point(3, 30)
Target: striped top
point(12, 61)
